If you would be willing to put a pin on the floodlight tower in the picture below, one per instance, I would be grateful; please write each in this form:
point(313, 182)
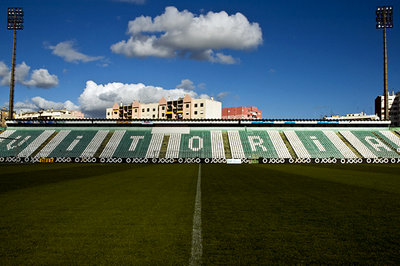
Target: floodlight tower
point(15, 21)
point(384, 19)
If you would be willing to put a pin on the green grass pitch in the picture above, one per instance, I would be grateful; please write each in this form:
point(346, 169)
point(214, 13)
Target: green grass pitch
point(251, 214)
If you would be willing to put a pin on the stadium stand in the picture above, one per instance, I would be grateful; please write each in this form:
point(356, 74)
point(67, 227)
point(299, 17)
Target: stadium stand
point(357, 144)
point(34, 145)
point(94, 143)
point(256, 143)
point(318, 145)
point(155, 146)
point(339, 144)
point(197, 144)
point(241, 142)
point(73, 144)
point(279, 145)
point(173, 146)
point(5, 134)
point(235, 145)
point(17, 143)
point(217, 145)
point(112, 144)
point(297, 145)
point(134, 144)
point(375, 145)
point(45, 152)
point(390, 137)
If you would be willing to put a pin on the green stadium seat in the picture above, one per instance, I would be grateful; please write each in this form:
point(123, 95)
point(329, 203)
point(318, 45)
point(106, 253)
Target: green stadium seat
point(21, 142)
point(257, 143)
point(134, 144)
point(374, 144)
point(196, 144)
point(318, 144)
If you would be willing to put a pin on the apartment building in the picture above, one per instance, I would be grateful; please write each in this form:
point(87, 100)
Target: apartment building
point(181, 108)
point(394, 108)
point(241, 112)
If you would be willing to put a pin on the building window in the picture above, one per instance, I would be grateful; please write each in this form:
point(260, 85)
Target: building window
point(163, 114)
point(108, 113)
point(187, 113)
point(195, 105)
point(154, 109)
point(135, 110)
point(143, 110)
point(148, 109)
point(201, 104)
point(154, 116)
point(195, 112)
point(187, 105)
point(163, 108)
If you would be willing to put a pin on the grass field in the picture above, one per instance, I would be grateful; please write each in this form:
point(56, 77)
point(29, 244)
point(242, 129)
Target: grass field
point(251, 214)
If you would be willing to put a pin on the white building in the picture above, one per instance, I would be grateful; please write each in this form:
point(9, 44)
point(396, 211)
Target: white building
point(182, 108)
point(51, 114)
point(394, 108)
point(352, 116)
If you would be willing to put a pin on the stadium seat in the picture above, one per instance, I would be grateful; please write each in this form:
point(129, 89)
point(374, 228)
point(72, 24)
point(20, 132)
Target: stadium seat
point(318, 144)
point(112, 144)
point(279, 145)
point(256, 144)
point(339, 144)
point(134, 144)
point(186, 142)
point(217, 145)
point(73, 144)
point(197, 144)
point(45, 152)
point(173, 145)
point(22, 143)
point(357, 144)
point(94, 144)
point(296, 144)
point(390, 137)
point(155, 146)
point(235, 145)
point(375, 145)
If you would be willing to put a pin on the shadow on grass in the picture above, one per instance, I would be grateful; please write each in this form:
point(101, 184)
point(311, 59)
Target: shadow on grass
point(393, 169)
point(262, 215)
point(14, 177)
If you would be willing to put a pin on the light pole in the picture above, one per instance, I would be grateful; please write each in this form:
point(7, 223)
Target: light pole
point(384, 19)
point(15, 21)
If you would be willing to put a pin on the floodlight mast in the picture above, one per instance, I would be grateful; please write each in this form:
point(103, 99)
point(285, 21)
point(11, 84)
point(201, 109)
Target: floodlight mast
point(15, 21)
point(384, 19)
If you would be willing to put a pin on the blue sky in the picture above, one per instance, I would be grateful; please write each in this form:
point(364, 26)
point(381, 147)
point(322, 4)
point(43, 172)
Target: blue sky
point(291, 59)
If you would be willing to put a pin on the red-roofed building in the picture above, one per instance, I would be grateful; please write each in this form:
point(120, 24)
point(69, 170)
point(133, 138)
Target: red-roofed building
point(241, 113)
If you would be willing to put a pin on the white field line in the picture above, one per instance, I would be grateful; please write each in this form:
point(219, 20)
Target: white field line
point(197, 246)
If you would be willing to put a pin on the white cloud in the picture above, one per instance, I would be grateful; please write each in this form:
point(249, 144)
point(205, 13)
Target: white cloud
point(3, 69)
point(40, 78)
point(182, 33)
point(38, 103)
point(97, 97)
point(21, 73)
point(26, 106)
point(68, 52)
point(220, 96)
point(186, 84)
point(138, 2)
